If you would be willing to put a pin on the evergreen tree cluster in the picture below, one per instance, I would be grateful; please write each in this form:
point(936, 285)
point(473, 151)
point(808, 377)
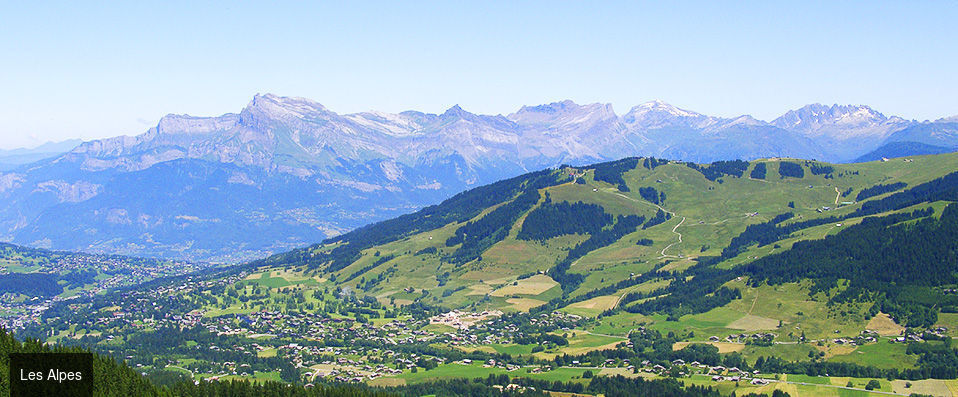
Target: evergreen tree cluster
point(624, 224)
point(879, 189)
point(940, 189)
point(652, 162)
point(379, 261)
point(478, 235)
point(556, 219)
point(718, 169)
point(459, 208)
point(788, 169)
point(759, 171)
point(762, 233)
point(819, 169)
point(882, 259)
point(934, 361)
point(31, 284)
point(272, 388)
point(651, 195)
point(620, 386)
point(612, 171)
point(660, 217)
point(109, 377)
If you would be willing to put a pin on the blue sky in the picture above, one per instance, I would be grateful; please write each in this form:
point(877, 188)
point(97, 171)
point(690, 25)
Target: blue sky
point(82, 69)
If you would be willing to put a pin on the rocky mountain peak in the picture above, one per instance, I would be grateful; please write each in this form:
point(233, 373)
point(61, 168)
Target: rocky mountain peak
point(661, 107)
point(744, 120)
point(456, 111)
point(281, 107)
point(562, 113)
point(816, 116)
point(549, 108)
point(658, 114)
point(186, 124)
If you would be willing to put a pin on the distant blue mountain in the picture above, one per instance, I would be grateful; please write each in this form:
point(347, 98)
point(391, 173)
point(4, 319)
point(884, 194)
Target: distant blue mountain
point(13, 158)
point(943, 133)
point(285, 172)
point(903, 149)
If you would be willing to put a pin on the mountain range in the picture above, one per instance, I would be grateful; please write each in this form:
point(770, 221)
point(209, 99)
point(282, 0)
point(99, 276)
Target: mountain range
point(285, 172)
point(13, 158)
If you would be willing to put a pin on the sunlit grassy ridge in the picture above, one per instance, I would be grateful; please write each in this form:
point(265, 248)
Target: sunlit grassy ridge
point(705, 214)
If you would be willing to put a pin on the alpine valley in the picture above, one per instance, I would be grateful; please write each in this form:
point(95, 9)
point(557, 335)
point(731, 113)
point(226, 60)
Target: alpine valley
point(287, 172)
point(638, 276)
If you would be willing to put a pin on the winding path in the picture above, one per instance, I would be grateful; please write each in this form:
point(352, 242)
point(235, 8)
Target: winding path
point(192, 375)
point(677, 242)
point(613, 191)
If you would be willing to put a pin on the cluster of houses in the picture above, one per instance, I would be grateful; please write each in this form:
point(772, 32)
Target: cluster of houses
point(741, 338)
point(17, 313)
point(499, 364)
point(866, 336)
point(907, 160)
point(264, 329)
point(717, 372)
point(159, 308)
point(493, 330)
point(355, 373)
point(939, 331)
point(720, 373)
point(512, 387)
point(463, 320)
point(918, 335)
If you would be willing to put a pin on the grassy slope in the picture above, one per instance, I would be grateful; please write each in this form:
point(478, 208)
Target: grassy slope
point(707, 214)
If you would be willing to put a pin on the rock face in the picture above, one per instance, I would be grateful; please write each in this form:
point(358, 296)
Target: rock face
point(842, 129)
point(286, 172)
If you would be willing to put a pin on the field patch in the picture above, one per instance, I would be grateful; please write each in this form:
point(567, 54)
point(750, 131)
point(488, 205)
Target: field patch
point(488, 276)
point(534, 285)
point(884, 325)
point(751, 322)
point(837, 350)
point(949, 320)
point(585, 349)
point(583, 343)
point(931, 387)
point(625, 372)
point(387, 381)
point(881, 355)
point(280, 279)
point(451, 371)
point(592, 307)
point(723, 347)
point(512, 251)
point(479, 289)
point(524, 304)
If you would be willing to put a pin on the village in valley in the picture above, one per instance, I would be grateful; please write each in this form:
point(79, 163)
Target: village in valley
point(252, 325)
point(409, 311)
point(80, 276)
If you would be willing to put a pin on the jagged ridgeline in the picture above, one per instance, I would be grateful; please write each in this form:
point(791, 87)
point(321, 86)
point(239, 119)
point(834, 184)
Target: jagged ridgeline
point(651, 236)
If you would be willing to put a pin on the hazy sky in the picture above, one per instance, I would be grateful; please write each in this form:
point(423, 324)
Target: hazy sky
point(80, 69)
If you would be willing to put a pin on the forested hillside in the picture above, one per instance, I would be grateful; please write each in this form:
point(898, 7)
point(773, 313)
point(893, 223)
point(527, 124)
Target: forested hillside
point(615, 226)
point(572, 276)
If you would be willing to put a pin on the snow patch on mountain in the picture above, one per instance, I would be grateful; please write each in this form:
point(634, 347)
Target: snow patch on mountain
point(840, 122)
point(69, 192)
